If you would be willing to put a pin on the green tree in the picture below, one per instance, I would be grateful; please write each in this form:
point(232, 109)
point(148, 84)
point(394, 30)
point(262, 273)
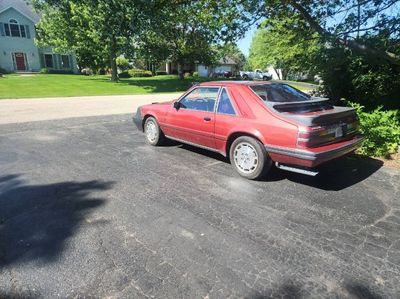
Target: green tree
point(231, 50)
point(359, 50)
point(343, 22)
point(285, 44)
point(187, 31)
point(91, 28)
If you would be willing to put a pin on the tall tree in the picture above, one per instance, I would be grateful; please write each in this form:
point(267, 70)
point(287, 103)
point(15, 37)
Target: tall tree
point(344, 22)
point(94, 26)
point(185, 31)
point(286, 44)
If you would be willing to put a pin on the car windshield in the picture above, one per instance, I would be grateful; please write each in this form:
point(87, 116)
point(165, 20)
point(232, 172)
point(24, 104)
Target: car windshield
point(277, 92)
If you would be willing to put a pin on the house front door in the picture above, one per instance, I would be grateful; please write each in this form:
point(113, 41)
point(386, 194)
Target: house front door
point(20, 61)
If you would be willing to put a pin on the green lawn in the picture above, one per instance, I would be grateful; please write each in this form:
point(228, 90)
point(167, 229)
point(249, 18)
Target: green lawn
point(49, 85)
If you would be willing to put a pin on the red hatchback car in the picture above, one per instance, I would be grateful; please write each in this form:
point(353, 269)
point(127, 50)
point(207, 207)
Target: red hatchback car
point(254, 124)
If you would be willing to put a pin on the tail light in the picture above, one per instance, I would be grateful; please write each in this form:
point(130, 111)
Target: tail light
point(320, 135)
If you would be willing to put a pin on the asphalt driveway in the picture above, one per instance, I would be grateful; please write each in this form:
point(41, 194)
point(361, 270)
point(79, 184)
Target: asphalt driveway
point(87, 209)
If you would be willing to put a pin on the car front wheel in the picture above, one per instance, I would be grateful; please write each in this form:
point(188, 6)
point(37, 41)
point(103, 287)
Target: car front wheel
point(154, 135)
point(249, 157)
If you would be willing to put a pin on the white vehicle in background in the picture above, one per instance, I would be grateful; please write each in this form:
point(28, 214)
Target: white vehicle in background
point(257, 74)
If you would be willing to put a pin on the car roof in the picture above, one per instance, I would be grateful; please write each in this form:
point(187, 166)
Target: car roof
point(234, 83)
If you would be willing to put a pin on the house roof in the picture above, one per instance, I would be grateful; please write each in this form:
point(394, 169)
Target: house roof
point(227, 60)
point(22, 7)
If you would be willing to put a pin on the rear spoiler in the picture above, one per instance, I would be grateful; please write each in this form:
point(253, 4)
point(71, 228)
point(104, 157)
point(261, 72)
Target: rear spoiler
point(336, 114)
point(280, 105)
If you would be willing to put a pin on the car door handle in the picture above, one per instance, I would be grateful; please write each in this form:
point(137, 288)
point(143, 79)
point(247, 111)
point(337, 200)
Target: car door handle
point(207, 118)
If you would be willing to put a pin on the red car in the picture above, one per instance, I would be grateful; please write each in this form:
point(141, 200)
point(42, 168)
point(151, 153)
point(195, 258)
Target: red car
point(254, 124)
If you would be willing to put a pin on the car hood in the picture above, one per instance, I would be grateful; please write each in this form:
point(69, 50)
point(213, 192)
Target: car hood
point(162, 104)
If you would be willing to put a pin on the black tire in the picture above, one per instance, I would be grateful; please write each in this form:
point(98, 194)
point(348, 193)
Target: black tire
point(156, 136)
point(266, 78)
point(256, 151)
point(245, 77)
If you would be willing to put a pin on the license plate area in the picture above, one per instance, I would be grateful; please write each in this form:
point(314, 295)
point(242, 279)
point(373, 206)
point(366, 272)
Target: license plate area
point(338, 132)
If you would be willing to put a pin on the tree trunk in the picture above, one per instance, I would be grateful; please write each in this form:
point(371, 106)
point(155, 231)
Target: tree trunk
point(180, 70)
point(113, 61)
point(278, 73)
point(284, 74)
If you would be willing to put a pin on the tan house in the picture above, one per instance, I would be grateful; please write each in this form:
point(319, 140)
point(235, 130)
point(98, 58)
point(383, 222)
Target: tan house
point(224, 64)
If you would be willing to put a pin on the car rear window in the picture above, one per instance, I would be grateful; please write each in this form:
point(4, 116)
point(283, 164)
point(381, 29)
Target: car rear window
point(277, 92)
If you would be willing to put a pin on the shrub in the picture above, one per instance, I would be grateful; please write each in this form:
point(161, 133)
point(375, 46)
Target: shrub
point(187, 75)
point(124, 75)
point(86, 72)
point(3, 71)
point(44, 71)
point(161, 73)
point(195, 74)
point(381, 130)
point(359, 79)
point(60, 72)
point(140, 73)
point(122, 63)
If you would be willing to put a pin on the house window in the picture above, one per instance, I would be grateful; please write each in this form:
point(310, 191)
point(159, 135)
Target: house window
point(48, 60)
point(14, 28)
point(22, 29)
point(7, 29)
point(65, 62)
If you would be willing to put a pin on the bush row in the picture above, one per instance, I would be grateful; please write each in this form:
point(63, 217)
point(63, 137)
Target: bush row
point(49, 71)
point(135, 73)
point(381, 130)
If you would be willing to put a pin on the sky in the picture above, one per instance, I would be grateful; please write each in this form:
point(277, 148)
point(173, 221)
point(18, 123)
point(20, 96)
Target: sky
point(244, 43)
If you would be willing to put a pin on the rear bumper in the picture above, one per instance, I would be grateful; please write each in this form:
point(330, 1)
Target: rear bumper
point(313, 158)
point(138, 120)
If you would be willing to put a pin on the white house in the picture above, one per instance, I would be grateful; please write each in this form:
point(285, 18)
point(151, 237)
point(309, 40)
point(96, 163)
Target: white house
point(18, 51)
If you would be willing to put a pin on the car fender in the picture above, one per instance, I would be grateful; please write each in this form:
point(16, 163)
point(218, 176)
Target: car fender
point(236, 132)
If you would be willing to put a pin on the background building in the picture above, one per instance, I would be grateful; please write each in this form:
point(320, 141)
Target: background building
point(18, 51)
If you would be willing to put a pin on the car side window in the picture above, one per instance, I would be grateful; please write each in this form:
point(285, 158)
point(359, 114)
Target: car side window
point(201, 98)
point(225, 104)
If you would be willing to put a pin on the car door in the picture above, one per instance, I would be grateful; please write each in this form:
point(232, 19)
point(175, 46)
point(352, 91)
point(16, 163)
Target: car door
point(194, 120)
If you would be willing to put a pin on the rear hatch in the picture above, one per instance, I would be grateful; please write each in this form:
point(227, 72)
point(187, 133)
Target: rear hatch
point(320, 123)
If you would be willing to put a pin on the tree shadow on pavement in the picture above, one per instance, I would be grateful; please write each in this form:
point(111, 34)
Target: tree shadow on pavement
point(36, 220)
point(292, 291)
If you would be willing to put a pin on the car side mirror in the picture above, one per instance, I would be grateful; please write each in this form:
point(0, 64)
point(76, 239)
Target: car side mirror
point(177, 105)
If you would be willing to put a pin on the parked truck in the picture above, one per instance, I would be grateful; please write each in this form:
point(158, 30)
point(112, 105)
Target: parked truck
point(257, 74)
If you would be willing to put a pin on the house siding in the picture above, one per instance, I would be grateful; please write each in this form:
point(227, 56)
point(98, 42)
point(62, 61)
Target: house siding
point(10, 45)
point(34, 55)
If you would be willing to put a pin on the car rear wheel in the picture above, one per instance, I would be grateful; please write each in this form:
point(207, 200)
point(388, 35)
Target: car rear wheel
point(154, 135)
point(266, 78)
point(249, 157)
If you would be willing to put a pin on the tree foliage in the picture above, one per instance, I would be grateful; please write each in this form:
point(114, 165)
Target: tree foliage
point(357, 45)
point(343, 22)
point(232, 51)
point(286, 44)
point(187, 31)
point(97, 30)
